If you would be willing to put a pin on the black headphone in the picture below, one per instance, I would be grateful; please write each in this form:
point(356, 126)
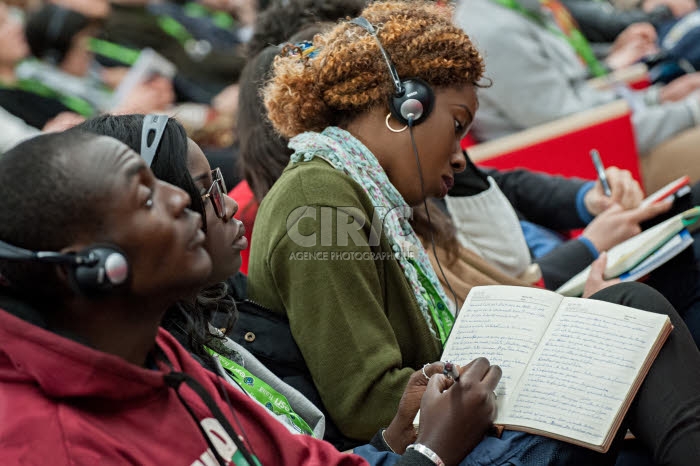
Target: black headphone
point(96, 270)
point(413, 99)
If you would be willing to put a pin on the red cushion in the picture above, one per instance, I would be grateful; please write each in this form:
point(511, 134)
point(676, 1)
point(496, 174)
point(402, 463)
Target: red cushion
point(569, 155)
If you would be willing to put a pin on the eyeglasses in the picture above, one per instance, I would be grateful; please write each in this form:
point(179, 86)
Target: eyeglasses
point(216, 193)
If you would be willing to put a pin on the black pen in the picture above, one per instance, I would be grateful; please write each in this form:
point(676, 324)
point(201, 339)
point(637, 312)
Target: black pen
point(600, 169)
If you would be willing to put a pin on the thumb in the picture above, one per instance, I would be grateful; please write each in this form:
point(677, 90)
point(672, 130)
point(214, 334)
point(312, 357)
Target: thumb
point(437, 384)
point(596, 280)
point(598, 266)
point(613, 207)
point(605, 202)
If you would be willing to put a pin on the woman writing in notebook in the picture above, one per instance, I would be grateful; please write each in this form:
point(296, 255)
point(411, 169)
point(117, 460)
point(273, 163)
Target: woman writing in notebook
point(332, 248)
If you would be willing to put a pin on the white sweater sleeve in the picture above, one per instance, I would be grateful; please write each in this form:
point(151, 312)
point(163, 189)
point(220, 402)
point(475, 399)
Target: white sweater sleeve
point(488, 225)
point(14, 131)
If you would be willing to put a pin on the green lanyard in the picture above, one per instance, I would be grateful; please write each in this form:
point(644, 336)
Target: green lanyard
point(113, 51)
point(75, 104)
point(174, 29)
point(262, 392)
point(442, 317)
point(239, 460)
point(573, 36)
point(220, 19)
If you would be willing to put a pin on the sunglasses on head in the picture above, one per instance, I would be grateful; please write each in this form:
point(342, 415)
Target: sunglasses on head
point(155, 124)
point(152, 124)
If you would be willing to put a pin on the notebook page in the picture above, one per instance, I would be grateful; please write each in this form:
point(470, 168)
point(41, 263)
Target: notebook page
point(582, 373)
point(503, 324)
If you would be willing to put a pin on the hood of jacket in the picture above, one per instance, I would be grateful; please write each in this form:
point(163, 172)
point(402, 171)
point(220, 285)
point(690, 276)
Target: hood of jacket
point(31, 354)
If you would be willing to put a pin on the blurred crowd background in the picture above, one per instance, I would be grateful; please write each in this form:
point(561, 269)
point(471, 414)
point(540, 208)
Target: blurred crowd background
point(65, 60)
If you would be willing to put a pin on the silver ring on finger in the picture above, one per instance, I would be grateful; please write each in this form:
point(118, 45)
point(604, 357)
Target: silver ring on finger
point(424, 374)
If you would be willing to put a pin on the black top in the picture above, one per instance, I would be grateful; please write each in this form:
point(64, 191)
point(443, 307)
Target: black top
point(34, 109)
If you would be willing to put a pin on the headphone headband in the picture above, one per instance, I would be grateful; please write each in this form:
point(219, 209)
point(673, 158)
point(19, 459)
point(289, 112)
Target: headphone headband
point(367, 26)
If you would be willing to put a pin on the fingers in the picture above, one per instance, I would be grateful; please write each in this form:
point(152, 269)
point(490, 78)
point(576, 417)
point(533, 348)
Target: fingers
point(614, 209)
point(438, 384)
point(476, 369)
point(642, 30)
point(433, 368)
point(624, 188)
point(481, 369)
point(492, 377)
point(643, 213)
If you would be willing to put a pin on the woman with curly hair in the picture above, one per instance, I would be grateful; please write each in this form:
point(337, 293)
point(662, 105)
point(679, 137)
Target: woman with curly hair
point(332, 248)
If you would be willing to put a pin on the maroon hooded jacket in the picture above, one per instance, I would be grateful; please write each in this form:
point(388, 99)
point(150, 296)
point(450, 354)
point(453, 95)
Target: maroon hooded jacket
point(64, 403)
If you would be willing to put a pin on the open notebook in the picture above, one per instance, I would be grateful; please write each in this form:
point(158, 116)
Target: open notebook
point(571, 366)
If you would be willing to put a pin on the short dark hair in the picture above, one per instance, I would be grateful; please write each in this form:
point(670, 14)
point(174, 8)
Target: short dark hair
point(51, 29)
point(50, 200)
point(263, 152)
point(281, 19)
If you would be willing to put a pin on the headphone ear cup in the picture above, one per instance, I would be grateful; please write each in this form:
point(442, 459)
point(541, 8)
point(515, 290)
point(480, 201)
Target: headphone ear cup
point(107, 270)
point(417, 100)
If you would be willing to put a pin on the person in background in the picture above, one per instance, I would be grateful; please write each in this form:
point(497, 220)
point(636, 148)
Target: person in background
point(282, 19)
point(203, 71)
point(537, 67)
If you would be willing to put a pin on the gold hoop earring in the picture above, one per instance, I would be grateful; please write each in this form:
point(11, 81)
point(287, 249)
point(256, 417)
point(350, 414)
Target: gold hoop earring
point(388, 115)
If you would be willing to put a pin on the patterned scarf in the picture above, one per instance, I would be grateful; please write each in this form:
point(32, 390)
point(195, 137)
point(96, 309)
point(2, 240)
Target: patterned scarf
point(346, 153)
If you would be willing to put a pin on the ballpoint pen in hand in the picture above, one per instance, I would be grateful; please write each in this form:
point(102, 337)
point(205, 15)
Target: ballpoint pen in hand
point(600, 169)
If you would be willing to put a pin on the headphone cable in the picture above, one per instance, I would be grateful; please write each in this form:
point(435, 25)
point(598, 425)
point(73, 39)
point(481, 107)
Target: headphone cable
point(427, 213)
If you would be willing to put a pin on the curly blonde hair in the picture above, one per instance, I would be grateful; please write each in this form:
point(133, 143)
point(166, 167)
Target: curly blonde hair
point(349, 76)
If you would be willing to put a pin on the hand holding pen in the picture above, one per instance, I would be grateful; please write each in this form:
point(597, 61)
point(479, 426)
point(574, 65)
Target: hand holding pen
point(614, 186)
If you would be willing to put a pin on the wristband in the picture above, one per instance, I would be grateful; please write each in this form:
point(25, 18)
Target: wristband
point(427, 452)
